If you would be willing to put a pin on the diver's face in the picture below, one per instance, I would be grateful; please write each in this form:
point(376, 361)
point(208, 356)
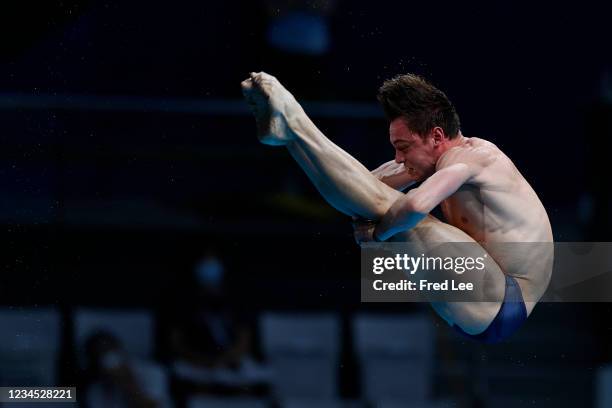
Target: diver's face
point(418, 154)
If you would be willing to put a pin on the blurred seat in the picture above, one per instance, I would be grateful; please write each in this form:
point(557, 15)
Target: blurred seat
point(407, 403)
point(29, 344)
point(230, 402)
point(562, 363)
point(302, 352)
point(134, 328)
point(39, 405)
point(603, 397)
point(395, 354)
point(152, 379)
point(329, 403)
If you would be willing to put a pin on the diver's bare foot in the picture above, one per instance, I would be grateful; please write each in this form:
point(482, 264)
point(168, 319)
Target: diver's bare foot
point(272, 105)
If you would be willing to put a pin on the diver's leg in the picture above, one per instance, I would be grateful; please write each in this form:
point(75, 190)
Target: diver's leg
point(344, 182)
point(435, 238)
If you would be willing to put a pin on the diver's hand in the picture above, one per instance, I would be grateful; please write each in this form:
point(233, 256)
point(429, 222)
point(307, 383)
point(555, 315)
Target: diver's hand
point(363, 230)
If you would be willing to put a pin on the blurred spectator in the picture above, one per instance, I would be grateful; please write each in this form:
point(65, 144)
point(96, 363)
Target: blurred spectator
point(116, 380)
point(210, 340)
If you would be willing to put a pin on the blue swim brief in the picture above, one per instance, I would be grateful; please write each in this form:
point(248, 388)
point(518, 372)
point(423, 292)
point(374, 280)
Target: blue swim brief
point(510, 317)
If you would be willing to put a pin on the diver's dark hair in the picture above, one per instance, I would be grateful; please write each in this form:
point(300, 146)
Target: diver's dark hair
point(421, 104)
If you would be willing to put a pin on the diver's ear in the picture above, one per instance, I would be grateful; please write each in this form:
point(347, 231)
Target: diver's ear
point(437, 135)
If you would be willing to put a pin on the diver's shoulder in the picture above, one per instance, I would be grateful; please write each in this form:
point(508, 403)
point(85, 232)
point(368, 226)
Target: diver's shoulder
point(485, 151)
point(474, 150)
point(479, 144)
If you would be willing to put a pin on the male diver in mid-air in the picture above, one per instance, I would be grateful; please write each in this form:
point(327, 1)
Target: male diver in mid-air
point(483, 196)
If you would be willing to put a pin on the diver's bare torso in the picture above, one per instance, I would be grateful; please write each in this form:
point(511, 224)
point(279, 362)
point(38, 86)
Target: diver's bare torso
point(499, 206)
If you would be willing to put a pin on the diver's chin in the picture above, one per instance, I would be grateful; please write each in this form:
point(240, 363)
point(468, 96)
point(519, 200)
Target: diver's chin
point(422, 176)
point(416, 175)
